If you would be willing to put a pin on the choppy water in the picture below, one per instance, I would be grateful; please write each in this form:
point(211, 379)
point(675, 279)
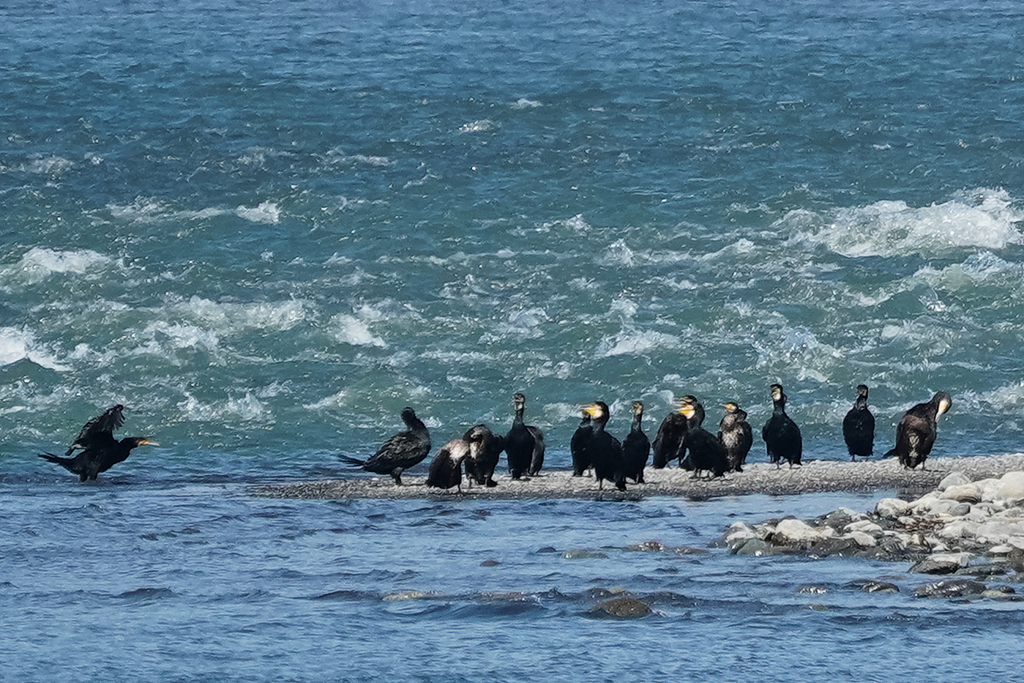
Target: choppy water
point(267, 228)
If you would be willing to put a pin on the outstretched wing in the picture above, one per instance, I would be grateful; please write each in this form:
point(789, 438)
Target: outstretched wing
point(105, 424)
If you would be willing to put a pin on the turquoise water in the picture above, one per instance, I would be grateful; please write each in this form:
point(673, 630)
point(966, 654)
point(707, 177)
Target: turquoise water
point(267, 228)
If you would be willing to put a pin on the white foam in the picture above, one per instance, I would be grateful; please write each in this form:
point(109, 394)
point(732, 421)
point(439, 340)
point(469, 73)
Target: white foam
point(265, 212)
point(618, 254)
point(52, 165)
point(479, 126)
point(16, 345)
point(332, 402)
point(523, 103)
point(635, 343)
point(984, 218)
point(349, 329)
point(245, 409)
point(230, 318)
point(39, 263)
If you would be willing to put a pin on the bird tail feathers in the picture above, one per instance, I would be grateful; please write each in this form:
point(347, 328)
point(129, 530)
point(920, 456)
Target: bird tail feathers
point(355, 462)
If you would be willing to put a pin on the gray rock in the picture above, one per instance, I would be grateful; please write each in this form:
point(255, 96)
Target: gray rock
point(961, 510)
point(842, 545)
point(953, 588)
point(940, 563)
point(753, 546)
point(873, 586)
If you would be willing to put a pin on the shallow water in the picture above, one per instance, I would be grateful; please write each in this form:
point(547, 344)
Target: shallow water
point(202, 582)
point(266, 229)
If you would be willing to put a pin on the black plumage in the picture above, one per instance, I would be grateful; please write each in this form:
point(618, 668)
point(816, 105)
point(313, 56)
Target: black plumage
point(98, 449)
point(520, 441)
point(400, 452)
point(603, 450)
point(636, 447)
point(446, 467)
point(537, 456)
point(670, 441)
point(485, 449)
point(578, 446)
point(917, 429)
point(781, 435)
point(705, 452)
point(859, 426)
point(736, 435)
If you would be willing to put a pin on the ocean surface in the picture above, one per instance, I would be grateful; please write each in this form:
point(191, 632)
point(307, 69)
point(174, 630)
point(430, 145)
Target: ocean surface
point(267, 227)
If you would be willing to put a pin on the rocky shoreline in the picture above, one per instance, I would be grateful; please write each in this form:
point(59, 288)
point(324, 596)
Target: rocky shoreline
point(970, 531)
point(818, 476)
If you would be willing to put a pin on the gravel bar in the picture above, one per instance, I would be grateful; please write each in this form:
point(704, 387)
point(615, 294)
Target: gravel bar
point(816, 476)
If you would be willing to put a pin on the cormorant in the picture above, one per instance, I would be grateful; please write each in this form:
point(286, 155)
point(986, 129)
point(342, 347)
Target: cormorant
point(578, 446)
point(859, 426)
point(446, 467)
point(485, 449)
point(99, 450)
point(537, 457)
point(520, 442)
point(706, 452)
point(603, 450)
point(915, 434)
point(636, 447)
point(780, 433)
point(670, 441)
point(400, 452)
point(736, 435)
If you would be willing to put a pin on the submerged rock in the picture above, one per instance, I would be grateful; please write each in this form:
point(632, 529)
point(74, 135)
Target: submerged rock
point(953, 588)
point(625, 607)
point(874, 586)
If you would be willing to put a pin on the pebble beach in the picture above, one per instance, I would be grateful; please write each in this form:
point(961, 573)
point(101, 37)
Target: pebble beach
point(816, 476)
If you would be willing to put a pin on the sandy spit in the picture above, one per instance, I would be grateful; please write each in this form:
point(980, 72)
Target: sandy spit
point(818, 476)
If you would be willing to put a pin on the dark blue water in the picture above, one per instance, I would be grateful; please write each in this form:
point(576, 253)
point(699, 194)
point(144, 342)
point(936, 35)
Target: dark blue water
point(266, 228)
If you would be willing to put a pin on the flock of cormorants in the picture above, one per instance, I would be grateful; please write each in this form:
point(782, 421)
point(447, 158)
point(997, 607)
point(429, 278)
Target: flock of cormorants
point(680, 437)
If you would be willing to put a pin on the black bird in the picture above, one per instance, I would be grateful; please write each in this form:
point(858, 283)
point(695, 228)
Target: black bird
point(400, 452)
point(706, 452)
point(915, 434)
point(446, 467)
point(485, 449)
point(636, 447)
point(780, 433)
point(736, 435)
point(537, 457)
point(520, 442)
point(578, 446)
point(670, 441)
point(603, 450)
point(99, 450)
point(859, 426)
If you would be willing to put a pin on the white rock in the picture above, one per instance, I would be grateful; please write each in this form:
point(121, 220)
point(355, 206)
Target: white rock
point(1011, 487)
point(953, 479)
point(958, 530)
point(864, 526)
point(793, 531)
point(962, 493)
point(996, 531)
point(933, 505)
point(862, 539)
point(890, 508)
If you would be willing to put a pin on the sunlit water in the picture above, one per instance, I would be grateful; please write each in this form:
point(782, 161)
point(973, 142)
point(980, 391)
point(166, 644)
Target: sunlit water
point(266, 229)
